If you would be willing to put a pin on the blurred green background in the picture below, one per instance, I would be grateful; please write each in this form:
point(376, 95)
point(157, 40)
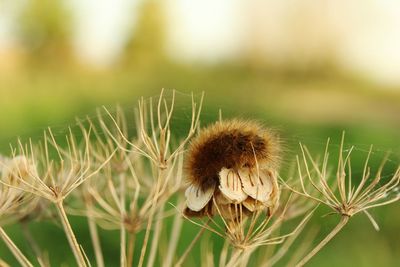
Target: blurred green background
point(309, 70)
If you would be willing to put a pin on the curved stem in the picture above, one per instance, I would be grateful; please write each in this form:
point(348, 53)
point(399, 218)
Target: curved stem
point(15, 250)
point(343, 221)
point(80, 259)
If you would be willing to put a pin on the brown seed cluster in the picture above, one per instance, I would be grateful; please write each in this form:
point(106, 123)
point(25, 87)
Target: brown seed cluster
point(232, 162)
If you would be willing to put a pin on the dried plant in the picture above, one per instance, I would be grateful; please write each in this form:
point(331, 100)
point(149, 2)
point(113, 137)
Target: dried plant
point(133, 174)
point(54, 179)
point(343, 196)
point(14, 203)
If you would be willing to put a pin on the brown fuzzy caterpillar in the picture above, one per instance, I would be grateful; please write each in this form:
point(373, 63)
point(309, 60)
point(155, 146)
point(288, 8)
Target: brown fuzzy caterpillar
point(231, 144)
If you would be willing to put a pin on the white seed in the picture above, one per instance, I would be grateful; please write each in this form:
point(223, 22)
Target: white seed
point(231, 186)
point(197, 199)
point(256, 183)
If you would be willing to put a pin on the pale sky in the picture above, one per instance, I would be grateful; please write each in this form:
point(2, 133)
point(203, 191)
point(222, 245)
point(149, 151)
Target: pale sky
point(365, 35)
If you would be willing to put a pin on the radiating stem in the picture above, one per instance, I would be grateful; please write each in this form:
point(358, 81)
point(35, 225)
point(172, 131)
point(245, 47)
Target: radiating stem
point(80, 259)
point(343, 221)
point(14, 249)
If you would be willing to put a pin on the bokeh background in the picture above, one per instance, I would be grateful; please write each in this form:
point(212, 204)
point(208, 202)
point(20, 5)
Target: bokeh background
point(310, 69)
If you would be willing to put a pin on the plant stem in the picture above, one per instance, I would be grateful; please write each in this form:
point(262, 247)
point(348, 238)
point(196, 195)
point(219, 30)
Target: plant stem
point(131, 248)
point(150, 219)
point(94, 235)
point(156, 237)
point(43, 261)
point(80, 259)
point(14, 249)
point(246, 257)
point(174, 238)
point(234, 261)
point(343, 221)
point(189, 248)
point(122, 221)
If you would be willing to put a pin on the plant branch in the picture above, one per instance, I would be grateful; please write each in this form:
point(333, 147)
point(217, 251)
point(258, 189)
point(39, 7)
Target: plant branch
point(343, 221)
point(14, 249)
point(80, 259)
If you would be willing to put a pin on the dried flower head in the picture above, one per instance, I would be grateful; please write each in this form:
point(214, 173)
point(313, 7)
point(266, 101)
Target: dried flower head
point(16, 169)
point(15, 203)
point(232, 162)
point(344, 196)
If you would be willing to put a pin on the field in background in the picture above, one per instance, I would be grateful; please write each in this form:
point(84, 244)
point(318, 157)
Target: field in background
point(305, 105)
point(297, 107)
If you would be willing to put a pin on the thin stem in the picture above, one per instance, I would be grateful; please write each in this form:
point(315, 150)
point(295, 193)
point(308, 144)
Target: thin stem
point(173, 241)
point(3, 263)
point(14, 249)
point(80, 259)
point(94, 236)
point(150, 219)
point(246, 257)
point(131, 248)
point(156, 237)
point(234, 261)
point(343, 221)
point(122, 222)
point(189, 248)
point(33, 244)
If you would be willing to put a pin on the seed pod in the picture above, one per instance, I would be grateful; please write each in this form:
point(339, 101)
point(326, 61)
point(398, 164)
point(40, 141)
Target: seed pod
point(229, 163)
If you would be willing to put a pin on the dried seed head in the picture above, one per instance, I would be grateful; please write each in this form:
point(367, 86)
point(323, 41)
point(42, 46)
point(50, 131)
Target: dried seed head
point(16, 169)
point(234, 162)
point(230, 144)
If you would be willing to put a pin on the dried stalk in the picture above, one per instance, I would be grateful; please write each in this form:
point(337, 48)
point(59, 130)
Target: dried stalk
point(156, 237)
point(94, 235)
point(174, 238)
point(75, 247)
point(236, 254)
point(189, 248)
point(122, 223)
point(14, 249)
point(131, 248)
point(150, 219)
point(343, 221)
point(43, 261)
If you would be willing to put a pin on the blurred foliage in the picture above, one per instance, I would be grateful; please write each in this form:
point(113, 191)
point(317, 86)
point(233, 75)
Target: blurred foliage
point(145, 47)
point(44, 31)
